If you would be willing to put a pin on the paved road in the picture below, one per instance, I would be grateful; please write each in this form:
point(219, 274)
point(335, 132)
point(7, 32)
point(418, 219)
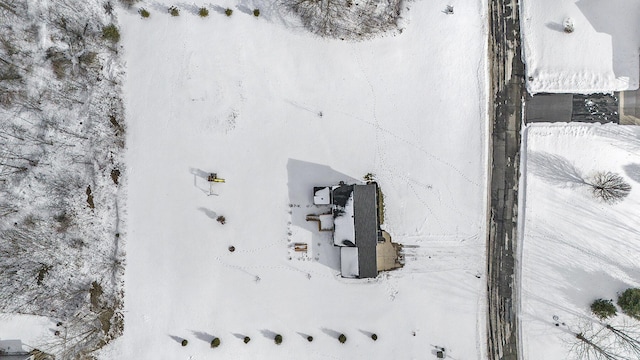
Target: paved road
point(507, 86)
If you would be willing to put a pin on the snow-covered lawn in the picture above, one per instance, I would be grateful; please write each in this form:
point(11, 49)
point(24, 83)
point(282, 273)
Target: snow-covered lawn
point(575, 249)
point(276, 111)
point(600, 55)
point(33, 331)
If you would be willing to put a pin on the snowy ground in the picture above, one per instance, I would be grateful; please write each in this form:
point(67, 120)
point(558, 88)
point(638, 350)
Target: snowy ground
point(276, 111)
point(601, 55)
point(33, 331)
point(575, 249)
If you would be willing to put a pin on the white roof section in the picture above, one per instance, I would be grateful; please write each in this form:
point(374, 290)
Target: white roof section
point(600, 55)
point(326, 222)
point(322, 196)
point(344, 228)
point(349, 262)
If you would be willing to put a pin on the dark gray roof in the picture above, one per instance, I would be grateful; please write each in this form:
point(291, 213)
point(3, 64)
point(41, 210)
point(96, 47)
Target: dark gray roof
point(341, 194)
point(366, 228)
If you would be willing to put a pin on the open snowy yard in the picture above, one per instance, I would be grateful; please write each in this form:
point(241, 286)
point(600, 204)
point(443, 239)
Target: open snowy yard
point(575, 248)
point(275, 111)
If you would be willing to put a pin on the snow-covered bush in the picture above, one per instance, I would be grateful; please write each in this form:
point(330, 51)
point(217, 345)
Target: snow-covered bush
point(184, 342)
point(603, 309)
point(567, 25)
point(228, 12)
point(256, 12)
point(278, 339)
point(174, 11)
point(203, 12)
point(342, 338)
point(629, 302)
point(374, 337)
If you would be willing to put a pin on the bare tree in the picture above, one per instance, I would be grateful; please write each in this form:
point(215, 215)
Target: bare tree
point(588, 349)
point(609, 187)
point(626, 338)
point(351, 19)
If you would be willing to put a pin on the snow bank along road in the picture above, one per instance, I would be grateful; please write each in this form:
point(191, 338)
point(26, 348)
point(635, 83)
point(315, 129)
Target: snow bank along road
point(507, 87)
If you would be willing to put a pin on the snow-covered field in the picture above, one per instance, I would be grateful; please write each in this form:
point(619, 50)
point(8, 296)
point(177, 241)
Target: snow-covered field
point(275, 111)
point(600, 55)
point(575, 249)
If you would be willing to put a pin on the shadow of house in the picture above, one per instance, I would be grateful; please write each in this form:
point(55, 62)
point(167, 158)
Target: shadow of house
point(618, 18)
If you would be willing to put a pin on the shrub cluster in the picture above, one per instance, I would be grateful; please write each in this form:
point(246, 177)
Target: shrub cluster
point(629, 302)
point(111, 33)
point(603, 309)
point(215, 342)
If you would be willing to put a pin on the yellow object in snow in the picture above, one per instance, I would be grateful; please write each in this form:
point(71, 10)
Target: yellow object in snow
point(213, 177)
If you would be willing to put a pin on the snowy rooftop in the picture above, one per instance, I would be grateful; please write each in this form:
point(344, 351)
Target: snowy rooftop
point(356, 224)
point(322, 195)
point(600, 55)
point(349, 262)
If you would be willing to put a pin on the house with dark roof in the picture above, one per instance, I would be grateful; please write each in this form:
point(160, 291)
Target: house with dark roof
point(356, 226)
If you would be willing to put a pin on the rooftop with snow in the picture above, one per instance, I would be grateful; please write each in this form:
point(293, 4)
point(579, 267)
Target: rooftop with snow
point(580, 46)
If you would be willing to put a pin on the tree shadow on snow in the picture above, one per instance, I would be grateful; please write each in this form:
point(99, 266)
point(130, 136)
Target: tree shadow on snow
point(555, 26)
point(332, 333)
point(219, 9)
point(176, 339)
point(210, 214)
point(161, 8)
point(268, 334)
point(189, 8)
point(244, 9)
point(366, 333)
point(554, 169)
point(204, 336)
point(303, 176)
point(633, 171)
